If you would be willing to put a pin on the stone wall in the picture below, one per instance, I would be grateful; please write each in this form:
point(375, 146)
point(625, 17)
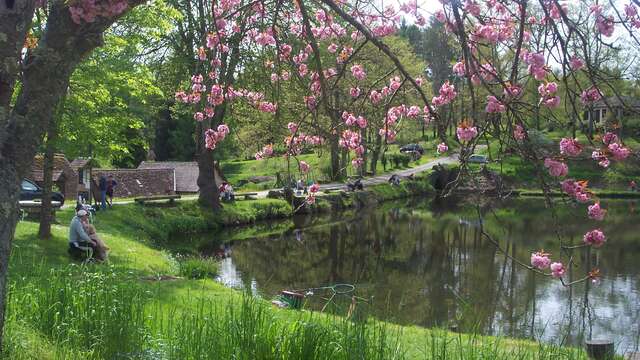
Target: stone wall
point(138, 182)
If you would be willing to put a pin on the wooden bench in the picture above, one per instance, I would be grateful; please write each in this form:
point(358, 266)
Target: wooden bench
point(246, 195)
point(144, 199)
point(332, 189)
point(32, 207)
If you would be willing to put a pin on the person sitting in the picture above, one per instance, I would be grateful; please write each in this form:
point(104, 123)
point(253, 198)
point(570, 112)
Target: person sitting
point(394, 180)
point(226, 191)
point(80, 244)
point(300, 188)
point(356, 185)
point(101, 250)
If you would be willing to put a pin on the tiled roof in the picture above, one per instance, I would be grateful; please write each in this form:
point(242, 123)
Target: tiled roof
point(186, 173)
point(79, 163)
point(614, 101)
point(60, 165)
point(138, 182)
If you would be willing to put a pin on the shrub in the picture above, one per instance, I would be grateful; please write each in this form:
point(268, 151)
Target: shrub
point(198, 268)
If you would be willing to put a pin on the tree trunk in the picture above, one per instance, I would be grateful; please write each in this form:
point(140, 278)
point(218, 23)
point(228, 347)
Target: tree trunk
point(9, 195)
point(44, 231)
point(45, 76)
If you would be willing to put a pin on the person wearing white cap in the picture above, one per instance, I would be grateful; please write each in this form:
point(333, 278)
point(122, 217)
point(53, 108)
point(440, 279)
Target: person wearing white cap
point(79, 242)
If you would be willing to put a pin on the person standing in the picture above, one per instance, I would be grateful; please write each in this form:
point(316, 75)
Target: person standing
point(102, 185)
point(111, 183)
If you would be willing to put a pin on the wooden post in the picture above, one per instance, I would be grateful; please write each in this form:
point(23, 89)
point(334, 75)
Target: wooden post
point(600, 349)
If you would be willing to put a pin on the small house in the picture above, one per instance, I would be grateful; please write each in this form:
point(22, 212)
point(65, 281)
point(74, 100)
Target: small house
point(186, 173)
point(82, 167)
point(621, 106)
point(64, 176)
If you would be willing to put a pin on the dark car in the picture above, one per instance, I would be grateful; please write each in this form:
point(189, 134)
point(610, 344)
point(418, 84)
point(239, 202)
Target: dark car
point(478, 159)
point(409, 148)
point(31, 191)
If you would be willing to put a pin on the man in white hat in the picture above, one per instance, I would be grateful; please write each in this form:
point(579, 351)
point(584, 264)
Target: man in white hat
point(80, 244)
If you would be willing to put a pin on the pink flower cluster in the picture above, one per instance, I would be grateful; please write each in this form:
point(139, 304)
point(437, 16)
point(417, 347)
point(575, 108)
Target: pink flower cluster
point(556, 168)
point(576, 189)
point(605, 25)
point(590, 95)
point(541, 261)
point(570, 147)
point(557, 269)
point(519, 132)
point(548, 94)
point(466, 132)
point(494, 105)
point(595, 212)
point(351, 120)
point(304, 167)
point(631, 12)
point(212, 137)
point(536, 64)
point(447, 94)
point(266, 151)
point(350, 139)
point(358, 72)
point(442, 148)
point(576, 63)
point(613, 148)
point(88, 10)
point(595, 238)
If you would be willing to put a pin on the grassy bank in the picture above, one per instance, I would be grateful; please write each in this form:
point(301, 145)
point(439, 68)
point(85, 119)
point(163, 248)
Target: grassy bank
point(59, 310)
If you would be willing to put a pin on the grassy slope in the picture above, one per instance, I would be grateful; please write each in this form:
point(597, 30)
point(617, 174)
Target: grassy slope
point(130, 231)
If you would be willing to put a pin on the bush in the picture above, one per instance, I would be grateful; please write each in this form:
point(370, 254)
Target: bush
point(198, 268)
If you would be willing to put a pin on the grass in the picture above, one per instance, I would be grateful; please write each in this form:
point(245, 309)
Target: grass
point(198, 267)
point(61, 310)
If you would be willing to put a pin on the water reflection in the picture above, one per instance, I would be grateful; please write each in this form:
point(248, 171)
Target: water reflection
point(427, 264)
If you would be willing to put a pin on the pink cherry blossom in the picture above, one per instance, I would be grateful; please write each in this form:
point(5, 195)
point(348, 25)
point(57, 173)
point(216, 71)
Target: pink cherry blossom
point(618, 152)
point(602, 159)
point(447, 94)
point(304, 167)
point(494, 105)
point(610, 138)
point(630, 10)
point(519, 133)
point(605, 25)
point(557, 269)
point(354, 92)
point(570, 147)
point(442, 148)
point(293, 127)
point(357, 162)
point(576, 63)
point(590, 95)
point(540, 260)
point(358, 72)
point(595, 238)
point(595, 212)
point(314, 188)
point(556, 168)
point(466, 133)
point(311, 199)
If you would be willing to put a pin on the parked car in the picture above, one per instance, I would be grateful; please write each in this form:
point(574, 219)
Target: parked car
point(409, 148)
point(478, 159)
point(30, 191)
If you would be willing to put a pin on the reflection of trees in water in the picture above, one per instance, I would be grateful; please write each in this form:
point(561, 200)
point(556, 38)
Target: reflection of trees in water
point(433, 271)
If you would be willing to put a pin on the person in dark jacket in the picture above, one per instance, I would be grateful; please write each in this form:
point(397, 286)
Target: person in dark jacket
point(111, 183)
point(102, 185)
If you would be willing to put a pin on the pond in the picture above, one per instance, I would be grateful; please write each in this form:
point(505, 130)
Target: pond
point(426, 264)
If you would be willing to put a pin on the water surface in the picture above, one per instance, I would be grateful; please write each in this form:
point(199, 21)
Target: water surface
point(427, 264)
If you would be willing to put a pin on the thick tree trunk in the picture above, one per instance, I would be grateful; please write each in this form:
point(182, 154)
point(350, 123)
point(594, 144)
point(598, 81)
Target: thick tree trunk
point(45, 76)
point(9, 195)
point(44, 231)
